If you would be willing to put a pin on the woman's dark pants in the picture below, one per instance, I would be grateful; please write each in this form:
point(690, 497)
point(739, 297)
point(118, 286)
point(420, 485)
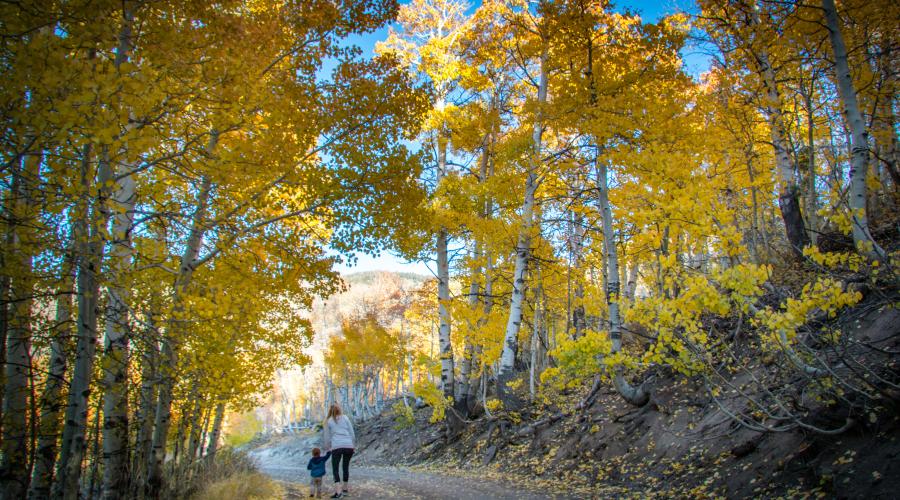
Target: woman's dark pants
point(338, 455)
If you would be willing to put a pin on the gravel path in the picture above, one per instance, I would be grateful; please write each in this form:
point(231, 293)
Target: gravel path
point(286, 462)
point(391, 482)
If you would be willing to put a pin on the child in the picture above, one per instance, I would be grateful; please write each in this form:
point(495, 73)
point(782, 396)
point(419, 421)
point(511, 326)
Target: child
point(316, 467)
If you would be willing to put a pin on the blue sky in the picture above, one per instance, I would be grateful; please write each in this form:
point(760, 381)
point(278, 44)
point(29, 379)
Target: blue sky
point(649, 10)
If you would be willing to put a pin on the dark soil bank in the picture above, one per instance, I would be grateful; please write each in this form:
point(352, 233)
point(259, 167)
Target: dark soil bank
point(681, 444)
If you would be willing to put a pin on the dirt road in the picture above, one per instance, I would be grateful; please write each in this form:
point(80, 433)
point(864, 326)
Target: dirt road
point(285, 460)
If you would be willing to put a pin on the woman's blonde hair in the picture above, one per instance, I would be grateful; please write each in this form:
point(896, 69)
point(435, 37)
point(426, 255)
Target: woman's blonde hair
point(334, 412)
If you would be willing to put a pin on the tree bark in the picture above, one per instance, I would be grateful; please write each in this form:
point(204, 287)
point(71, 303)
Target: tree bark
point(448, 375)
point(14, 467)
point(115, 363)
point(146, 406)
point(169, 362)
point(788, 194)
point(634, 395)
point(578, 314)
point(52, 399)
point(89, 258)
point(5, 282)
point(194, 432)
point(216, 432)
point(859, 157)
point(534, 371)
point(95, 456)
point(514, 322)
point(465, 367)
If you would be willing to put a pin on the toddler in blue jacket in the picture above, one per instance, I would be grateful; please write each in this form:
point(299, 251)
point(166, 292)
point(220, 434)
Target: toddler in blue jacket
point(316, 467)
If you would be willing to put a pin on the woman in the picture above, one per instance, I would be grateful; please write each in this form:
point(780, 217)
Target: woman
point(339, 438)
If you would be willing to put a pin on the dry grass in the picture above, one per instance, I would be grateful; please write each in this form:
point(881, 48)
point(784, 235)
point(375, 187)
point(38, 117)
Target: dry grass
point(243, 485)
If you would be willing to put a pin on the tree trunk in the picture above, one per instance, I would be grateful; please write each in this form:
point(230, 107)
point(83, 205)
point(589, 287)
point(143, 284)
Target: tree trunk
point(634, 395)
point(578, 314)
point(95, 457)
point(788, 195)
point(631, 284)
point(481, 378)
point(465, 367)
point(52, 399)
point(204, 433)
point(812, 204)
point(514, 322)
point(115, 376)
point(194, 433)
point(859, 158)
point(5, 282)
point(213, 445)
point(535, 338)
point(89, 257)
point(169, 353)
point(146, 409)
point(14, 467)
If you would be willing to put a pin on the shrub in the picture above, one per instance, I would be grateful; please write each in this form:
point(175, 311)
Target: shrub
point(434, 398)
point(403, 416)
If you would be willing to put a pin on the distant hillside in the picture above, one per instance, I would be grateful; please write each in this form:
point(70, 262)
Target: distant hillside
point(370, 277)
point(375, 292)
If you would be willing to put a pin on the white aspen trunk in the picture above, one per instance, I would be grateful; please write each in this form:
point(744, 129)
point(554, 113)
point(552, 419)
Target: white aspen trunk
point(488, 306)
point(788, 200)
point(95, 459)
point(443, 274)
point(178, 446)
point(379, 392)
point(535, 338)
point(634, 395)
point(216, 432)
point(631, 284)
point(194, 432)
point(345, 398)
point(146, 408)
point(52, 402)
point(578, 314)
point(14, 470)
point(398, 389)
point(169, 361)
point(514, 322)
point(5, 281)
point(465, 366)
point(115, 364)
point(859, 157)
point(329, 396)
point(409, 367)
point(204, 433)
point(812, 204)
point(89, 256)
point(465, 385)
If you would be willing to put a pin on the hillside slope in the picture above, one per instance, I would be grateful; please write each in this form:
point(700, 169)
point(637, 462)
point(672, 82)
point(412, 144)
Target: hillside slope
point(680, 444)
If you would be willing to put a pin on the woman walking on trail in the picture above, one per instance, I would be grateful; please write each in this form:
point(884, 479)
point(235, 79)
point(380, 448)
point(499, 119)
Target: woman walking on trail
point(339, 438)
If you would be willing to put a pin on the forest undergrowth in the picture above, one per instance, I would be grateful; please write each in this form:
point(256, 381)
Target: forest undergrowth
point(689, 440)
